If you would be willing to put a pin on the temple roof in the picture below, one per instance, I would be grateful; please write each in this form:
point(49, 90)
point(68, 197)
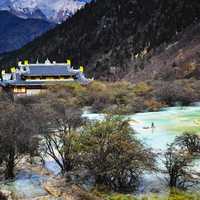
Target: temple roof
point(19, 76)
point(50, 70)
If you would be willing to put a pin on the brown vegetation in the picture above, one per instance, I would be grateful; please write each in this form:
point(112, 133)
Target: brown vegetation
point(125, 97)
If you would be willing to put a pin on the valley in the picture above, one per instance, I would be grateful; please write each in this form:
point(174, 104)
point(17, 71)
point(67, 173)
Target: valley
point(99, 100)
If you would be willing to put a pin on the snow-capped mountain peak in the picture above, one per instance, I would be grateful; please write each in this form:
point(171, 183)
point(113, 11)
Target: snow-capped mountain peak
point(52, 10)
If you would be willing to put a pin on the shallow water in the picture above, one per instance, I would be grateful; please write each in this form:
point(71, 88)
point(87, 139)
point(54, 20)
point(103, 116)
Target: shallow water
point(168, 124)
point(26, 185)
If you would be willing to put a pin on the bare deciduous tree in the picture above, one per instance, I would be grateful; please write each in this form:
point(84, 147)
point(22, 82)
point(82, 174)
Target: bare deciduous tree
point(179, 161)
point(60, 122)
point(190, 141)
point(17, 134)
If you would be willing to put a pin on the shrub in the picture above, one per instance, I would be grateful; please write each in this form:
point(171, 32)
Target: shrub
point(142, 89)
point(113, 155)
point(153, 105)
point(176, 91)
point(179, 161)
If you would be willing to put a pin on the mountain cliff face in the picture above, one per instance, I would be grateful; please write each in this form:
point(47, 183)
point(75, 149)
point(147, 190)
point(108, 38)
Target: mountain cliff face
point(16, 32)
point(51, 10)
point(116, 39)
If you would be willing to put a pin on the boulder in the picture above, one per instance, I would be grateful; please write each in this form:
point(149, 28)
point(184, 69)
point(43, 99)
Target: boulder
point(52, 189)
point(5, 195)
point(43, 198)
point(57, 187)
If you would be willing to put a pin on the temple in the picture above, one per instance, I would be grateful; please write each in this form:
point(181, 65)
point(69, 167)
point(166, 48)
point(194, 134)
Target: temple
point(31, 79)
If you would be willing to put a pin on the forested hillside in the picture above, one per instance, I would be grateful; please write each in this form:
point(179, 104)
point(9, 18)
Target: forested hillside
point(112, 37)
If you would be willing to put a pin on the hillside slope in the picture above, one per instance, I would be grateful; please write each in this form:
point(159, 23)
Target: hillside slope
point(112, 37)
point(177, 60)
point(16, 32)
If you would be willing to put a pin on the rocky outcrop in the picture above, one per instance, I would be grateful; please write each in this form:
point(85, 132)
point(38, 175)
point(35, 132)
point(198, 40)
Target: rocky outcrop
point(43, 198)
point(54, 187)
point(57, 187)
point(5, 195)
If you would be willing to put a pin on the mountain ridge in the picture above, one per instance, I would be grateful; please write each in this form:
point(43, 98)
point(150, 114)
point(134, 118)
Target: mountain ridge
point(52, 10)
point(112, 38)
point(16, 32)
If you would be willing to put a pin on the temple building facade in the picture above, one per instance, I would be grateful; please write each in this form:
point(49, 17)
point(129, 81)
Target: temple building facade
point(32, 79)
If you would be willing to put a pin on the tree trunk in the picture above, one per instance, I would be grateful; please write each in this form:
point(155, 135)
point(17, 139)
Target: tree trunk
point(173, 181)
point(100, 179)
point(67, 165)
point(10, 165)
